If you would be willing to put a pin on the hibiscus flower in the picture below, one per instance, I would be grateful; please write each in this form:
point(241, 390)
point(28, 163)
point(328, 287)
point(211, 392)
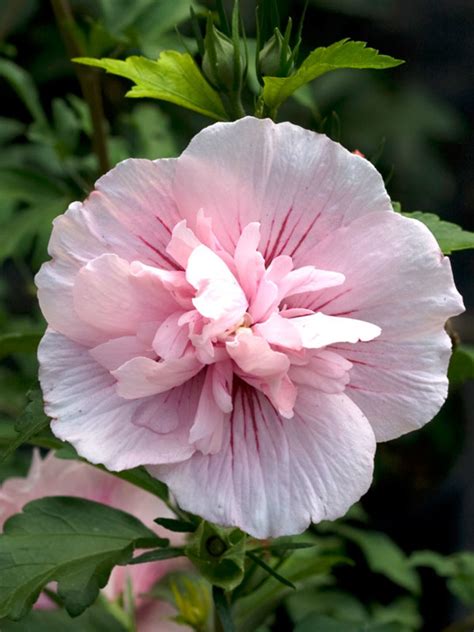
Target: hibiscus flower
point(247, 320)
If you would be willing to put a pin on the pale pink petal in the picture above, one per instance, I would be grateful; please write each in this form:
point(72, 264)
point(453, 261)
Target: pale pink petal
point(183, 241)
point(254, 355)
point(299, 185)
point(324, 370)
point(172, 337)
point(396, 277)
point(279, 331)
point(208, 428)
point(248, 261)
point(407, 290)
point(222, 385)
point(219, 296)
point(399, 386)
point(134, 210)
point(275, 476)
point(81, 397)
point(320, 330)
point(110, 296)
point(142, 377)
point(266, 300)
point(308, 279)
point(115, 218)
point(115, 352)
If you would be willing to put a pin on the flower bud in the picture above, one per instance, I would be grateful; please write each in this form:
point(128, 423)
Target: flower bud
point(274, 58)
point(219, 58)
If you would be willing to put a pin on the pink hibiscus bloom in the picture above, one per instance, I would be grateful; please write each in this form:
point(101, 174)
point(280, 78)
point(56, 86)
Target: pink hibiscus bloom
point(57, 477)
point(246, 320)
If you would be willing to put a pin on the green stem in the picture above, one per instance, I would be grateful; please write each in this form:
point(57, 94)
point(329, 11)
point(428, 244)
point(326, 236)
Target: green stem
point(88, 79)
point(217, 623)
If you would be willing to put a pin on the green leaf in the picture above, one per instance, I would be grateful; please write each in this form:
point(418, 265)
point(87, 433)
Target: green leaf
point(23, 85)
point(156, 555)
point(403, 611)
point(382, 555)
point(26, 185)
point(282, 545)
point(450, 237)
point(223, 609)
point(73, 541)
point(26, 342)
point(31, 422)
point(461, 366)
point(303, 566)
point(141, 478)
point(342, 54)
point(173, 77)
point(458, 569)
point(311, 600)
point(268, 569)
point(322, 623)
point(95, 619)
point(462, 583)
point(9, 129)
point(179, 526)
point(219, 554)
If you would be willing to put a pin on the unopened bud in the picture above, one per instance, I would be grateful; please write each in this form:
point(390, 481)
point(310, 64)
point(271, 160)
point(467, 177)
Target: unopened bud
point(274, 58)
point(218, 61)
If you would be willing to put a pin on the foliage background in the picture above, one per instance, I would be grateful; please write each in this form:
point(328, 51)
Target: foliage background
point(414, 121)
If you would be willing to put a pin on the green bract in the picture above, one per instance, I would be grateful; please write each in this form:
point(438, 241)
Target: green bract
point(219, 554)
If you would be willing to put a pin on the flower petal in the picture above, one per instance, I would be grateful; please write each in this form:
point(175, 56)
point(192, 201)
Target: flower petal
point(399, 386)
point(298, 184)
point(81, 397)
point(111, 296)
point(219, 296)
point(208, 428)
point(274, 476)
point(279, 331)
point(319, 330)
point(142, 377)
point(397, 278)
point(254, 355)
point(115, 352)
point(130, 214)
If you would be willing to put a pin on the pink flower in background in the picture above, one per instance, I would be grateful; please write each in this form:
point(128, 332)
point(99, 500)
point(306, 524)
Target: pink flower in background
point(57, 477)
point(247, 320)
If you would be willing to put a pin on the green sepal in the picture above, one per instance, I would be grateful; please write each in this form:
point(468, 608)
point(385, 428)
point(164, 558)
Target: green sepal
point(219, 554)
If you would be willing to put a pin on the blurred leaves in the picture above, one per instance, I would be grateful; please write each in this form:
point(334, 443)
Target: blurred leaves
point(461, 366)
point(31, 422)
point(173, 77)
point(95, 619)
point(26, 342)
point(457, 568)
point(381, 553)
